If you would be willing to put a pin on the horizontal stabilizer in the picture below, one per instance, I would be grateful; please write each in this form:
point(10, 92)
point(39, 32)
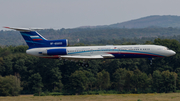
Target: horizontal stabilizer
point(24, 29)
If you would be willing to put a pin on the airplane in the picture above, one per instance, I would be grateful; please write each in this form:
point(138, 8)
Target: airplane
point(59, 49)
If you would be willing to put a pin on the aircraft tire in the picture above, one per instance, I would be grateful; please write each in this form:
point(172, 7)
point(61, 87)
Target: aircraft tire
point(80, 64)
point(86, 65)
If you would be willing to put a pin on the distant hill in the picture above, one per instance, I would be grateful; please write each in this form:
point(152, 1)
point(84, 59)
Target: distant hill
point(149, 21)
point(94, 35)
point(151, 26)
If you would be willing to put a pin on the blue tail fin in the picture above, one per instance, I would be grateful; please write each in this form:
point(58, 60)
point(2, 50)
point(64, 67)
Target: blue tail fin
point(35, 40)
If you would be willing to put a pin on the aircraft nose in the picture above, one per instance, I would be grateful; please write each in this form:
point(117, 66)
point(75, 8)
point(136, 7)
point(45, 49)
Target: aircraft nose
point(172, 53)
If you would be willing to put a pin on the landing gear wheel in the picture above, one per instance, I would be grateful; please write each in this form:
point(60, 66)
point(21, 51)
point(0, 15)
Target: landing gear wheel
point(151, 60)
point(86, 65)
point(80, 64)
point(83, 64)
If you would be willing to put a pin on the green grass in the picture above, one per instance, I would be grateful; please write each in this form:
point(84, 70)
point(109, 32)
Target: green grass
point(102, 97)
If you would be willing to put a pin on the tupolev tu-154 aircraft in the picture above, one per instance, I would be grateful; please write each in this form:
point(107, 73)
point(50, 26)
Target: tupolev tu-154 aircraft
point(59, 49)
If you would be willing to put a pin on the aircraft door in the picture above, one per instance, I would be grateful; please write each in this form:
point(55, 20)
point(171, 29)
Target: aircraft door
point(91, 51)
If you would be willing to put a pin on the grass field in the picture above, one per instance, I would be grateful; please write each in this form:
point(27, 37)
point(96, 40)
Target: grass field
point(103, 97)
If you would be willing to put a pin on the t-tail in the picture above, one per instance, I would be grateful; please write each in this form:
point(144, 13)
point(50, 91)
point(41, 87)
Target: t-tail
point(35, 40)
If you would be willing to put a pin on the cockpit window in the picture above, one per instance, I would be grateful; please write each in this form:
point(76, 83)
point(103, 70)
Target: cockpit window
point(166, 48)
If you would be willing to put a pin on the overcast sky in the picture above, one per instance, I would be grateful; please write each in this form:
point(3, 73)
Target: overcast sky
point(59, 14)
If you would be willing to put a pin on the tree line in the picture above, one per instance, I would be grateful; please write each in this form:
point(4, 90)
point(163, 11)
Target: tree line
point(25, 74)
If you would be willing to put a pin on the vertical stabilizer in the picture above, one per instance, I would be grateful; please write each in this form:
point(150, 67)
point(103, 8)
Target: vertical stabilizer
point(35, 40)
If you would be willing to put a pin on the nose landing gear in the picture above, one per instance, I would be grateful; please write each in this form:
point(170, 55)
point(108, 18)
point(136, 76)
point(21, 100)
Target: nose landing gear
point(151, 60)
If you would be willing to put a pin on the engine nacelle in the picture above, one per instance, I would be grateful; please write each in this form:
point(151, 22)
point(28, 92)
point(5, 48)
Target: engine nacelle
point(55, 52)
point(58, 43)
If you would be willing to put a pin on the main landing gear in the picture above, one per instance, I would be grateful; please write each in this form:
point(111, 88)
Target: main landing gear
point(83, 64)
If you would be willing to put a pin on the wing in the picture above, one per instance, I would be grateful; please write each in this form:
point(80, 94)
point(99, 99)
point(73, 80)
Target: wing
point(88, 57)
